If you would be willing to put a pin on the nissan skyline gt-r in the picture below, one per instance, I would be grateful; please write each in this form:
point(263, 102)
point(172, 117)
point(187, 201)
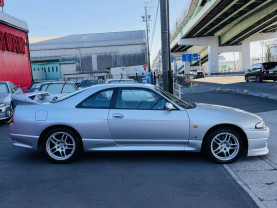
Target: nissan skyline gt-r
point(134, 117)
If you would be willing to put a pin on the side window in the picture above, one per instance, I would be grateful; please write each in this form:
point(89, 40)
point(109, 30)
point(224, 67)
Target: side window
point(99, 100)
point(139, 99)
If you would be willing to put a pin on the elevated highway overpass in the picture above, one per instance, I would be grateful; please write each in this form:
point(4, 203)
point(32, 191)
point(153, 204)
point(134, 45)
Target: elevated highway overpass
point(211, 27)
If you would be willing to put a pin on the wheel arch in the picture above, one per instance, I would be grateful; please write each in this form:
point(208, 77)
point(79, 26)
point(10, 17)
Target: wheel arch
point(232, 126)
point(45, 131)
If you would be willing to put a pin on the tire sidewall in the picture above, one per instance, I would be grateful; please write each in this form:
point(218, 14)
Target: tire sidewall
point(207, 145)
point(74, 136)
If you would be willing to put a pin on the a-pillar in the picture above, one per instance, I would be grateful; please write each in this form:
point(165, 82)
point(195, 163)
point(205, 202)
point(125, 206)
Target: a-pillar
point(245, 56)
point(213, 58)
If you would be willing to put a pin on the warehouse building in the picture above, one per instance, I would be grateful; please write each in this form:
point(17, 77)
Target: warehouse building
point(55, 57)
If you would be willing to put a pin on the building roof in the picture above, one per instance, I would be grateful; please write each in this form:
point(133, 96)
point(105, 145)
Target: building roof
point(13, 22)
point(91, 40)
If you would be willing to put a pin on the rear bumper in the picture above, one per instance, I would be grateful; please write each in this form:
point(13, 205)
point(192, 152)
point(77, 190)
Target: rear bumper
point(26, 141)
point(257, 141)
point(20, 140)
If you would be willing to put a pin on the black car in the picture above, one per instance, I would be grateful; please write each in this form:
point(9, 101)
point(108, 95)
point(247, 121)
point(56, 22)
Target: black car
point(260, 72)
point(198, 75)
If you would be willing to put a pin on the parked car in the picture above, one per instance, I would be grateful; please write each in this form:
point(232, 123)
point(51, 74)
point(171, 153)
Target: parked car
point(90, 82)
point(36, 85)
point(120, 81)
point(198, 75)
point(260, 72)
point(134, 117)
point(58, 88)
point(7, 89)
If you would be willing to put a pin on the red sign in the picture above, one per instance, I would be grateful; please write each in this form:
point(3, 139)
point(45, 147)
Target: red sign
point(12, 43)
point(144, 67)
point(2, 4)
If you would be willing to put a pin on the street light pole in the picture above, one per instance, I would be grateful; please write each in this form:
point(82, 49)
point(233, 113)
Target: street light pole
point(165, 37)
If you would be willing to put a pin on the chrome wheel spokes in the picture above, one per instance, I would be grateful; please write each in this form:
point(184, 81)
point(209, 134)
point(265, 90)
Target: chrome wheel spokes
point(60, 146)
point(225, 146)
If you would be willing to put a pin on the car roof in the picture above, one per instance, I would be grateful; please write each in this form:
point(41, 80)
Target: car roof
point(105, 86)
point(4, 82)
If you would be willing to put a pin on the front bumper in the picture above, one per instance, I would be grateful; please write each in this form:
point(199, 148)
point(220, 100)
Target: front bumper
point(5, 112)
point(20, 140)
point(257, 141)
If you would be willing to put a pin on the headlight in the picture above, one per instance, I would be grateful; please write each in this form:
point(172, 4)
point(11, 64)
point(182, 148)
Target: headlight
point(2, 104)
point(260, 125)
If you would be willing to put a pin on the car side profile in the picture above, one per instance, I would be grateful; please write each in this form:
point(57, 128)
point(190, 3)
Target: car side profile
point(262, 71)
point(134, 117)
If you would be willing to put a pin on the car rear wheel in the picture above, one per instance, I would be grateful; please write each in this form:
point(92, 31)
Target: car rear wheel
point(223, 145)
point(258, 79)
point(61, 145)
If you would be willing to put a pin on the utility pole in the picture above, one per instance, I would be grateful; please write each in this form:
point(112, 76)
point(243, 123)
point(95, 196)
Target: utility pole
point(165, 37)
point(147, 18)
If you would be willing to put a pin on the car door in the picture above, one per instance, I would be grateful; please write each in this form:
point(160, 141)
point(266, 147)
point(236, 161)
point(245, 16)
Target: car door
point(251, 75)
point(140, 117)
point(92, 114)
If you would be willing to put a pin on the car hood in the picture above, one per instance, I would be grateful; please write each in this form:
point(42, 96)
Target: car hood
point(5, 97)
point(216, 114)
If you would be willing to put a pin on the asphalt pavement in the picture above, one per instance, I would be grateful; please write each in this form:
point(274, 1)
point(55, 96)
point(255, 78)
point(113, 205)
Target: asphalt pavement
point(119, 179)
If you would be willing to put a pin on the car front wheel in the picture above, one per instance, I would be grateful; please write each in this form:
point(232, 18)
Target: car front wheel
point(224, 145)
point(61, 145)
point(246, 79)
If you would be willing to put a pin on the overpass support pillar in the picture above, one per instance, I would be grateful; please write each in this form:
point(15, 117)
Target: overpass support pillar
point(213, 58)
point(245, 55)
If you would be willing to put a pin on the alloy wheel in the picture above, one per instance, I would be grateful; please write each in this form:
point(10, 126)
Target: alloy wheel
point(225, 146)
point(60, 146)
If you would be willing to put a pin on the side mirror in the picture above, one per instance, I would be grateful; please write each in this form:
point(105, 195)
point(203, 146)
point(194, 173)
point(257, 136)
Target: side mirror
point(169, 106)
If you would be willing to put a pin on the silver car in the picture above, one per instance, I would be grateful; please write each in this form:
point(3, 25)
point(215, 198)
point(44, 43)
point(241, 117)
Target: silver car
point(136, 117)
point(7, 89)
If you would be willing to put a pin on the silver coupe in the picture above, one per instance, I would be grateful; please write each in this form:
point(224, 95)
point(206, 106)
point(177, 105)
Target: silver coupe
point(135, 117)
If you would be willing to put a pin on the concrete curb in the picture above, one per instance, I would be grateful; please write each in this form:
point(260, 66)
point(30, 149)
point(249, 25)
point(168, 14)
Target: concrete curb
point(244, 186)
point(245, 92)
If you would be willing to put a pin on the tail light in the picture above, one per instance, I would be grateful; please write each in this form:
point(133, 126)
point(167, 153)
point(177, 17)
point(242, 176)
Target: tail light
point(262, 68)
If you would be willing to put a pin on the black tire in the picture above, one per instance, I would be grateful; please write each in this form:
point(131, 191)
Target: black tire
point(71, 146)
point(210, 143)
point(246, 79)
point(258, 79)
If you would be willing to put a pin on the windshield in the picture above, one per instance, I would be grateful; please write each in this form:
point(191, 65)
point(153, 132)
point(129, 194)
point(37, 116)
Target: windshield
point(88, 83)
point(176, 100)
point(4, 88)
point(57, 88)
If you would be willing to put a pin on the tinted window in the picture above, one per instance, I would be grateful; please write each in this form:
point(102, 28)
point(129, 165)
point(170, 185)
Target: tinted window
point(139, 99)
point(270, 65)
point(99, 100)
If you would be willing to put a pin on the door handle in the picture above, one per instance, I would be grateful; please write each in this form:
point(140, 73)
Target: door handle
point(118, 115)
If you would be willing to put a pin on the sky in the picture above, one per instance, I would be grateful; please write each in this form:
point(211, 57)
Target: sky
point(66, 17)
